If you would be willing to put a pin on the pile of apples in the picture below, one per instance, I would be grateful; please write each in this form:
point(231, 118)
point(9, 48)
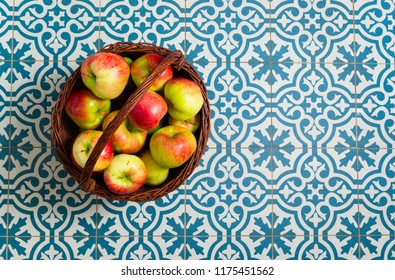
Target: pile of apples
point(158, 133)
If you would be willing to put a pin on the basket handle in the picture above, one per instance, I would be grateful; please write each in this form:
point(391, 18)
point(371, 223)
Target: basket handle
point(175, 58)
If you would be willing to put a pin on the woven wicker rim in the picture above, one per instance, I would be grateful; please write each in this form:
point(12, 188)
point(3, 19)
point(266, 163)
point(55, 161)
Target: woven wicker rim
point(63, 130)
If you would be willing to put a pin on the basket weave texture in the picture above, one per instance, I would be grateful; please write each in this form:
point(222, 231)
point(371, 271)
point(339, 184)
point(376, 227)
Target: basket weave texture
point(64, 130)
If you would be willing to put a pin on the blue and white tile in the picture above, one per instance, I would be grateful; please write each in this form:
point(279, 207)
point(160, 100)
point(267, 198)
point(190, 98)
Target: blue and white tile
point(376, 106)
point(55, 31)
point(5, 98)
point(35, 91)
point(314, 190)
point(6, 22)
point(313, 31)
point(375, 30)
point(44, 199)
point(157, 22)
point(377, 191)
point(239, 102)
point(375, 247)
point(225, 193)
point(313, 102)
point(163, 217)
point(227, 30)
point(227, 248)
point(49, 248)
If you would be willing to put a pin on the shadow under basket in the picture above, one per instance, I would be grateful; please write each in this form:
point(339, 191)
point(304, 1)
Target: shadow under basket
point(64, 130)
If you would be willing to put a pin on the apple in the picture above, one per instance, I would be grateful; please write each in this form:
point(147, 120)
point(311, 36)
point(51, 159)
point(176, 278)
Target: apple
point(106, 74)
point(127, 139)
point(128, 60)
point(156, 173)
point(85, 109)
point(160, 125)
point(191, 124)
point(125, 174)
point(171, 146)
point(82, 147)
point(149, 111)
point(184, 98)
point(144, 65)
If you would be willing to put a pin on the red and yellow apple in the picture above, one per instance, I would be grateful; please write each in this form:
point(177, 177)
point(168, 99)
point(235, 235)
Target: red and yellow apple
point(127, 139)
point(148, 112)
point(191, 124)
point(156, 173)
point(87, 110)
point(105, 74)
point(171, 146)
point(82, 148)
point(125, 174)
point(144, 65)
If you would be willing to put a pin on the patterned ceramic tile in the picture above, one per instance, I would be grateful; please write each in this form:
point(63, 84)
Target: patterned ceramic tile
point(227, 30)
point(226, 195)
point(35, 91)
point(55, 32)
point(312, 31)
point(158, 22)
point(300, 160)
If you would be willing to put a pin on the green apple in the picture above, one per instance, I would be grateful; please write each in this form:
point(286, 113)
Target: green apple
point(156, 173)
point(171, 146)
point(87, 110)
point(127, 139)
point(183, 97)
point(125, 174)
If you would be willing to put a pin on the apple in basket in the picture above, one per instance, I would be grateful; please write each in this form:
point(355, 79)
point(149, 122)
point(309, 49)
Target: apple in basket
point(82, 147)
point(191, 124)
point(127, 139)
point(125, 174)
point(148, 112)
point(105, 74)
point(183, 97)
point(144, 65)
point(171, 146)
point(86, 109)
point(156, 173)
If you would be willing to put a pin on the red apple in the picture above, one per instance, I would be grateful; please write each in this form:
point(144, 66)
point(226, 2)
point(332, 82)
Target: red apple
point(127, 139)
point(156, 173)
point(125, 174)
point(191, 124)
point(171, 146)
point(86, 109)
point(144, 65)
point(82, 148)
point(149, 111)
point(106, 74)
point(184, 98)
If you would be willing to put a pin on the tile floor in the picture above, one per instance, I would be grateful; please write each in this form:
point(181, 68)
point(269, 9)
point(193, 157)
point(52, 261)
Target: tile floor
point(301, 159)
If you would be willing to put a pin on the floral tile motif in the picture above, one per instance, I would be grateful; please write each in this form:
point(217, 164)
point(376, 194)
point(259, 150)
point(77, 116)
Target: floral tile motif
point(43, 32)
point(50, 248)
point(35, 91)
point(375, 30)
point(225, 195)
point(6, 22)
point(44, 200)
point(139, 248)
point(157, 22)
point(227, 30)
point(316, 100)
point(239, 103)
point(313, 31)
point(5, 98)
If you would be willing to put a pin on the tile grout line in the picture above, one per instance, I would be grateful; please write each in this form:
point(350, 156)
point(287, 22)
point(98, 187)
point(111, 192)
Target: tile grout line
point(356, 127)
point(9, 131)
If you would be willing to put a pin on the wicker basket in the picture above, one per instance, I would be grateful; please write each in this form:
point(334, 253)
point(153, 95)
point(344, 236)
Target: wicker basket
point(64, 130)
